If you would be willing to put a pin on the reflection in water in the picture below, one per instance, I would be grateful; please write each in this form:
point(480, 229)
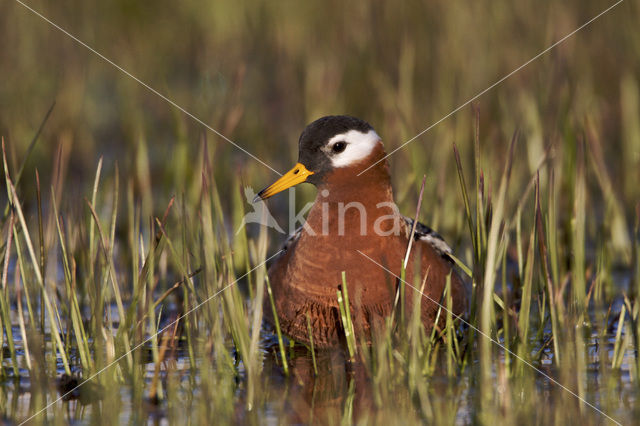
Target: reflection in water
point(341, 388)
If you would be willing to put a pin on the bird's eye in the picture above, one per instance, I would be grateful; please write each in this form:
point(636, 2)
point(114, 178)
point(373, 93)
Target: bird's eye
point(339, 147)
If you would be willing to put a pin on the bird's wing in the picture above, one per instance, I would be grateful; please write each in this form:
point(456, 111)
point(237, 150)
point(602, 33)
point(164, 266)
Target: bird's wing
point(428, 235)
point(423, 233)
point(291, 239)
point(288, 243)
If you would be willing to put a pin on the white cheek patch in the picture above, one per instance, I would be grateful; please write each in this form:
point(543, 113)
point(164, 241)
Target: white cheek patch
point(359, 146)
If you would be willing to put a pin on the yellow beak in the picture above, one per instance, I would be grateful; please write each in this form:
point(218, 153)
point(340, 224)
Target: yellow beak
point(297, 175)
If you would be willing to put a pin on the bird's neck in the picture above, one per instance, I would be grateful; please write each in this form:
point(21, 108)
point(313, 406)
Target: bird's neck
point(367, 182)
point(349, 202)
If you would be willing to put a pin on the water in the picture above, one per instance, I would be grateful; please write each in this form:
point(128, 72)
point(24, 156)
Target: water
point(342, 389)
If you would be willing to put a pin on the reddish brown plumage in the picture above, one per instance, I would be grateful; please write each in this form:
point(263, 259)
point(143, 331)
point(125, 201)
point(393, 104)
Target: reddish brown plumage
point(306, 277)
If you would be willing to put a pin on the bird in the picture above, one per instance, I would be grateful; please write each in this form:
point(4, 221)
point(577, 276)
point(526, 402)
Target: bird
point(353, 228)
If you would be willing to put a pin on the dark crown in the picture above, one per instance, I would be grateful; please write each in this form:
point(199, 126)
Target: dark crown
point(325, 128)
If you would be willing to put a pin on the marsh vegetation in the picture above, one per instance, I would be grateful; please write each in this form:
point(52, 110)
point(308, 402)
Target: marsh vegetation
point(123, 271)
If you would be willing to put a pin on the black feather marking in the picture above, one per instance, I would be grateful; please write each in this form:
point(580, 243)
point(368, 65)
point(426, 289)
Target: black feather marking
point(428, 235)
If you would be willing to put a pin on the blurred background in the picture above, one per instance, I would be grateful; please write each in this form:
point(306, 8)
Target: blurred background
point(258, 72)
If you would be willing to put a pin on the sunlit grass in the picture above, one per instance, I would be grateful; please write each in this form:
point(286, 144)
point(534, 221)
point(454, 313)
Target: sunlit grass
point(538, 197)
point(218, 350)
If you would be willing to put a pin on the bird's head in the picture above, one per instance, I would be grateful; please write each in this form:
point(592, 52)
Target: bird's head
point(329, 144)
